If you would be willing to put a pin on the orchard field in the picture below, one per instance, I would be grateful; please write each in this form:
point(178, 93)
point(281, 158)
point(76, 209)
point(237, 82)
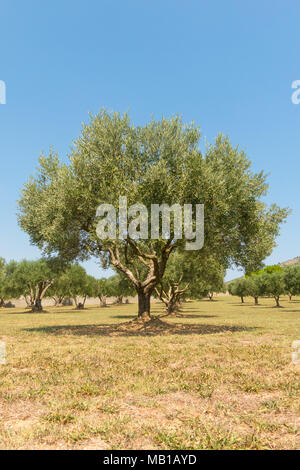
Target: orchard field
point(218, 377)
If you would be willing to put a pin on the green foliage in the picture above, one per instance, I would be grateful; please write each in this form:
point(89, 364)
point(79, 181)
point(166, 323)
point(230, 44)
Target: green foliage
point(9, 288)
point(292, 279)
point(256, 286)
point(271, 269)
point(77, 284)
point(32, 279)
point(103, 289)
point(119, 286)
point(275, 284)
point(239, 287)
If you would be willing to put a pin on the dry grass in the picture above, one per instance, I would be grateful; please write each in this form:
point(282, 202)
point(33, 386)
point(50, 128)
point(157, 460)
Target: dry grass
point(220, 377)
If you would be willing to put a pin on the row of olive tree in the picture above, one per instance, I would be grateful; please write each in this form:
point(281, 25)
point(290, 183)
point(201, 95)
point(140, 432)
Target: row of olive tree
point(271, 281)
point(35, 280)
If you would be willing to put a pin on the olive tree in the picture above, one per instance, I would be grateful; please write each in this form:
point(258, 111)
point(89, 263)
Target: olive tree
point(78, 285)
point(255, 286)
point(32, 279)
point(120, 287)
point(60, 289)
point(173, 285)
point(275, 284)
point(292, 280)
point(103, 289)
point(9, 288)
point(158, 163)
point(189, 274)
point(239, 288)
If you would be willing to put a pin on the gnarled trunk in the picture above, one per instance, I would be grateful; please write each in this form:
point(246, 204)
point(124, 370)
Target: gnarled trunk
point(155, 264)
point(144, 305)
point(256, 300)
point(40, 291)
point(79, 305)
point(102, 301)
point(29, 301)
point(37, 306)
point(58, 301)
point(276, 297)
point(173, 307)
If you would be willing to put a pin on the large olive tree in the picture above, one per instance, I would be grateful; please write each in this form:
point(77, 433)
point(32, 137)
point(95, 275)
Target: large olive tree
point(158, 163)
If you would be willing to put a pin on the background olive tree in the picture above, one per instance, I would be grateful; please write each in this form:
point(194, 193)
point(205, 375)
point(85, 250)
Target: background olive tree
point(292, 280)
point(32, 279)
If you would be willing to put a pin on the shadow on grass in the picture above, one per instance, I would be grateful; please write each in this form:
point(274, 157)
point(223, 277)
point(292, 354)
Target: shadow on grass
point(160, 313)
point(155, 327)
point(291, 310)
point(29, 312)
point(124, 316)
point(192, 315)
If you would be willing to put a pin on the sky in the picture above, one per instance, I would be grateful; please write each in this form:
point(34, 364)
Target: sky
point(228, 66)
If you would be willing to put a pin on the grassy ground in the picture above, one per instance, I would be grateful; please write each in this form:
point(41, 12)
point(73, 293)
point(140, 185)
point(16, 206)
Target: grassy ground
point(222, 378)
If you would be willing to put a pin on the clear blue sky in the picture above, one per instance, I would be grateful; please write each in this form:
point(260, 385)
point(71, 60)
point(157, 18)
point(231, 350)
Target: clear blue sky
point(228, 65)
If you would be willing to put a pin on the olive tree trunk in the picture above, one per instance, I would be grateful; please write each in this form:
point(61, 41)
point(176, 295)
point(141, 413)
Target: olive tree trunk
point(144, 305)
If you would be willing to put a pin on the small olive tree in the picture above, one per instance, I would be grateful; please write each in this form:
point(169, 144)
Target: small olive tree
point(103, 289)
point(275, 284)
point(239, 288)
point(292, 280)
point(32, 279)
point(78, 285)
point(256, 286)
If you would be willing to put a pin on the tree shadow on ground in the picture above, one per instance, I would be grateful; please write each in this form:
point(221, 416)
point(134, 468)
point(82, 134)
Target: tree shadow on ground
point(162, 314)
point(190, 309)
point(123, 316)
point(155, 327)
point(196, 316)
point(29, 312)
point(291, 310)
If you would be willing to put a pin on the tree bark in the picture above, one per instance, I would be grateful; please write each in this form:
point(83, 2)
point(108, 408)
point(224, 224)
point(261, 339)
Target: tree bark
point(171, 308)
point(2, 302)
point(256, 300)
point(242, 299)
point(102, 301)
point(29, 301)
point(276, 297)
point(144, 305)
point(79, 305)
point(37, 306)
point(40, 291)
point(290, 297)
point(58, 301)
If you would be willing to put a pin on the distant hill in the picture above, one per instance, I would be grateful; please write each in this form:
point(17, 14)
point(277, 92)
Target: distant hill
point(290, 262)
